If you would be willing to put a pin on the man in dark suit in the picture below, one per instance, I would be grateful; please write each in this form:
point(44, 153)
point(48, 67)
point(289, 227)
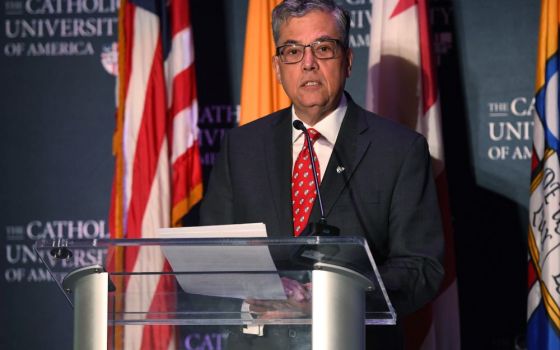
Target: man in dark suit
point(376, 175)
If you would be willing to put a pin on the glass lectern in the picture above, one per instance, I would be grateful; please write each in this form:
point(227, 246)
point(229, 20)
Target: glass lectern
point(118, 286)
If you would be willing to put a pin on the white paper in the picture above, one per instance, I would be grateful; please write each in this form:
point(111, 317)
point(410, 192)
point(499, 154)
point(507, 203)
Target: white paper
point(232, 263)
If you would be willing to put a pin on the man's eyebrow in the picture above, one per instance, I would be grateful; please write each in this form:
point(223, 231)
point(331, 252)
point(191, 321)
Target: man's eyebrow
point(321, 38)
point(289, 42)
point(324, 37)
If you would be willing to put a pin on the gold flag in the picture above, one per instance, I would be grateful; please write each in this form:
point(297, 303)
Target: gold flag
point(261, 93)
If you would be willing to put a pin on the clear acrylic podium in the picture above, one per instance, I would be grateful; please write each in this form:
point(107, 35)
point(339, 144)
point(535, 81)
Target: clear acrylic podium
point(115, 284)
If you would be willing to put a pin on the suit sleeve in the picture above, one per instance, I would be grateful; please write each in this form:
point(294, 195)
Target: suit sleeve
point(413, 271)
point(217, 205)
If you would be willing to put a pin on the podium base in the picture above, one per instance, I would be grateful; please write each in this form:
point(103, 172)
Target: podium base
point(338, 308)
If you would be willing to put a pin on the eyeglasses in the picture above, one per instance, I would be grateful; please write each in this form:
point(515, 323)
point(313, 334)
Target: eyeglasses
point(322, 49)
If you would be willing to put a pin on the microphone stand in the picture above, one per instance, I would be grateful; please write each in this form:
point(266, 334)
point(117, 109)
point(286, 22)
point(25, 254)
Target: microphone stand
point(320, 228)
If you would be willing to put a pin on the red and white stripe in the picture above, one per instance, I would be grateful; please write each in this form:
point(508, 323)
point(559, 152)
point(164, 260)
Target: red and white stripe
point(161, 177)
point(402, 85)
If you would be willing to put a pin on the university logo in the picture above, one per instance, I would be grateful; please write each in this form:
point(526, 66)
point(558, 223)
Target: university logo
point(110, 58)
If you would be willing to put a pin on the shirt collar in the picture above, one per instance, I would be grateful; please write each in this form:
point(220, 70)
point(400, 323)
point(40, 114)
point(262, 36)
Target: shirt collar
point(329, 126)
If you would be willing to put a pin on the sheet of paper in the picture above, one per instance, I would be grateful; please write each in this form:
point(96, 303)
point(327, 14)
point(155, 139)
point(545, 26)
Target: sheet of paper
point(225, 271)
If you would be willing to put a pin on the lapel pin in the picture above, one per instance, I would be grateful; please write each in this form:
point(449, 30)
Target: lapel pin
point(339, 169)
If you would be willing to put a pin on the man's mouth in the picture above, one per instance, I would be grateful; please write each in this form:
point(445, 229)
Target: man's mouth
point(311, 83)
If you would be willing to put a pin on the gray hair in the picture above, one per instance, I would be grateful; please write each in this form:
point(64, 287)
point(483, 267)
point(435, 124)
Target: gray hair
point(299, 8)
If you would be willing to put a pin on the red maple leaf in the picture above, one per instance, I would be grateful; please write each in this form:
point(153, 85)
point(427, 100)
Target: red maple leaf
point(402, 6)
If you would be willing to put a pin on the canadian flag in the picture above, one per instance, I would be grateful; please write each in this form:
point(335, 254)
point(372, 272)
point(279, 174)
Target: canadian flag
point(402, 86)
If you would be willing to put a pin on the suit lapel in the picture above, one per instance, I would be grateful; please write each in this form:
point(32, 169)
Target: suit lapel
point(351, 146)
point(278, 155)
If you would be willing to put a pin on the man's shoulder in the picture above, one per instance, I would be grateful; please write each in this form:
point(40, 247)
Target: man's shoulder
point(384, 127)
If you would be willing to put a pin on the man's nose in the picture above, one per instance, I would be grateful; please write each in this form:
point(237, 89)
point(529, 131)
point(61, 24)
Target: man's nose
point(309, 59)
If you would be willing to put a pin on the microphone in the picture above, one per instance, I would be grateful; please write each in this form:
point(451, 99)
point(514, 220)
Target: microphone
point(320, 228)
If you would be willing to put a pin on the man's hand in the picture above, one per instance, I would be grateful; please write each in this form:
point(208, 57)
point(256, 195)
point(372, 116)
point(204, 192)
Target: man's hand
point(297, 304)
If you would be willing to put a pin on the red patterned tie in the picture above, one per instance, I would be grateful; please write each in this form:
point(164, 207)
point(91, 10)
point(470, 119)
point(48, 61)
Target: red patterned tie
point(303, 187)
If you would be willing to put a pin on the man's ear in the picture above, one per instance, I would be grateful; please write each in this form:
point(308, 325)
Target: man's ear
point(349, 59)
point(276, 63)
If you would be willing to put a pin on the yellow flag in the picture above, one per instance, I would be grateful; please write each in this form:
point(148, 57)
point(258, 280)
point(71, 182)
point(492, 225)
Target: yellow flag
point(261, 93)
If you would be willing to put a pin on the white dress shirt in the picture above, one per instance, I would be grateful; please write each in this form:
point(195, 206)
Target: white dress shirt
point(328, 127)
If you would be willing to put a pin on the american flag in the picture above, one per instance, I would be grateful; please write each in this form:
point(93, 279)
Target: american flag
point(158, 175)
point(402, 85)
point(543, 300)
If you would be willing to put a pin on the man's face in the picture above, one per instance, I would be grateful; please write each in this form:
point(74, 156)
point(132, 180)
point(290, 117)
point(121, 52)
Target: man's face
point(313, 85)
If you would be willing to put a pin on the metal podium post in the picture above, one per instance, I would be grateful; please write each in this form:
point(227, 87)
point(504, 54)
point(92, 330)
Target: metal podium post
point(338, 308)
point(89, 286)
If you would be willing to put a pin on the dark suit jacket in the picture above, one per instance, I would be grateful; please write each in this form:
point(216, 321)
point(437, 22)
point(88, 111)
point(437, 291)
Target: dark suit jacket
point(385, 193)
